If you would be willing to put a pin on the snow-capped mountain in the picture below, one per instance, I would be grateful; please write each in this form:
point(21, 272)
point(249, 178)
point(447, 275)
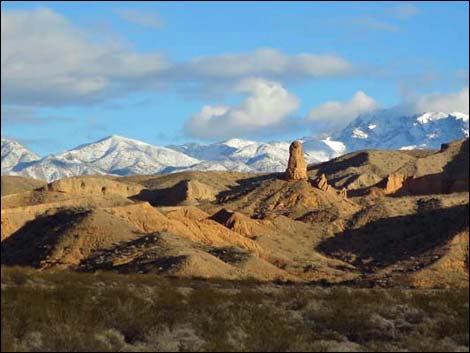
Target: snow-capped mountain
point(124, 156)
point(113, 155)
point(224, 166)
point(118, 155)
point(236, 155)
point(14, 154)
point(214, 152)
point(251, 156)
point(387, 130)
point(52, 168)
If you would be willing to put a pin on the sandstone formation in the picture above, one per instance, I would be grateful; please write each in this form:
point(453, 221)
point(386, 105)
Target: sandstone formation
point(296, 167)
point(94, 186)
point(238, 226)
point(238, 222)
point(393, 183)
point(321, 182)
point(184, 193)
point(192, 192)
point(15, 184)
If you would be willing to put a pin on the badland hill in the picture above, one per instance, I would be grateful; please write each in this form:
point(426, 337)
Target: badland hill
point(371, 217)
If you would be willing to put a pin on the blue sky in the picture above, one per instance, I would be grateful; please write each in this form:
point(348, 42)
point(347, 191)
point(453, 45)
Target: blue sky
point(164, 73)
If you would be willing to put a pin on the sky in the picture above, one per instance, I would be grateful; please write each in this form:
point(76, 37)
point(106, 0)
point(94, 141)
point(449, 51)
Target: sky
point(171, 73)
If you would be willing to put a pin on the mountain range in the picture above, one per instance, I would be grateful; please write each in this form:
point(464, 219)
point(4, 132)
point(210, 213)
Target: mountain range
point(117, 155)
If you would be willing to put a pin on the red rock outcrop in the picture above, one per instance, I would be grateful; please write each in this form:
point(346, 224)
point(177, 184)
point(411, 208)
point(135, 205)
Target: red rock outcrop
point(321, 183)
point(393, 183)
point(297, 167)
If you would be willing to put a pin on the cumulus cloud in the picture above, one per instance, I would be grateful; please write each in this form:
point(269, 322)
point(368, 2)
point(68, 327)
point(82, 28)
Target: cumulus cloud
point(268, 105)
point(339, 114)
point(45, 60)
point(144, 19)
point(441, 102)
point(336, 114)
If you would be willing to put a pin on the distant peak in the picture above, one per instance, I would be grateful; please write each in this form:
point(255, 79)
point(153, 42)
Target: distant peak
point(235, 142)
point(460, 115)
point(115, 137)
point(432, 116)
point(119, 138)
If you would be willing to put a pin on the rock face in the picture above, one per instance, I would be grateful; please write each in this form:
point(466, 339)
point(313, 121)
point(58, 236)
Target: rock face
point(321, 182)
point(238, 222)
point(297, 167)
point(185, 193)
point(343, 193)
point(89, 185)
point(393, 183)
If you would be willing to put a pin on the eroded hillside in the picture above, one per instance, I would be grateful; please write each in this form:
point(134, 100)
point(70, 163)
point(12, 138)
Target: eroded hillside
point(388, 218)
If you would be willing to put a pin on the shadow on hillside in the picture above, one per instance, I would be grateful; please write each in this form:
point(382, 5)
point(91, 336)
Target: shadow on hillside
point(171, 196)
point(33, 242)
point(244, 186)
point(387, 241)
point(142, 251)
point(356, 159)
point(453, 178)
point(457, 170)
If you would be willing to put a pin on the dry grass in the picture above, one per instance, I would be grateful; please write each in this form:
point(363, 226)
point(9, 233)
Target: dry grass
point(66, 311)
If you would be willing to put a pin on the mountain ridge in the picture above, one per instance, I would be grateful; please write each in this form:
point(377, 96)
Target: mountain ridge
point(119, 155)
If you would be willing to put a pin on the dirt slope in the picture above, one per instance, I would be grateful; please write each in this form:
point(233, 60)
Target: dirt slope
point(384, 230)
point(16, 184)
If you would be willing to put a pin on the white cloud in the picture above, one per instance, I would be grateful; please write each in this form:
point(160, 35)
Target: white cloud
point(144, 19)
point(339, 114)
point(442, 102)
point(267, 106)
point(270, 106)
point(404, 11)
point(268, 63)
point(45, 60)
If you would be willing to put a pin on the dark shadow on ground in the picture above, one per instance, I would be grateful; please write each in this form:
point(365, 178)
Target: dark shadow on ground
point(172, 196)
point(33, 242)
point(387, 241)
point(245, 186)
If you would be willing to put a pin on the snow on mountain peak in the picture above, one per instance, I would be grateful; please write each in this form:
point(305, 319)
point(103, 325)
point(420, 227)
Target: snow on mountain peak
point(119, 155)
point(359, 134)
point(14, 154)
point(238, 143)
point(461, 116)
point(394, 130)
point(337, 146)
point(431, 116)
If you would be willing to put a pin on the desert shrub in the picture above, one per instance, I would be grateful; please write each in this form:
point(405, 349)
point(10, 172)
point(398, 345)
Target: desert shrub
point(269, 331)
point(294, 299)
point(65, 311)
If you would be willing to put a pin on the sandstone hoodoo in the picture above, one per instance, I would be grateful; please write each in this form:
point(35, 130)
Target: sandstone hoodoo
point(297, 167)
